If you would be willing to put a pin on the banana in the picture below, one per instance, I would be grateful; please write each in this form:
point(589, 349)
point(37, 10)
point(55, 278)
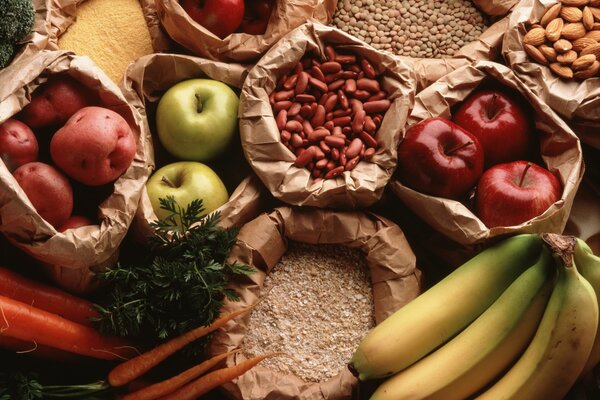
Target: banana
point(561, 345)
point(445, 309)
point(482, 350)
point(589, 266)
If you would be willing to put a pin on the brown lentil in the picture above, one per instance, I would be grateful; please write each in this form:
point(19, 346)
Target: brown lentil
point(413, 28)
point(318, 305)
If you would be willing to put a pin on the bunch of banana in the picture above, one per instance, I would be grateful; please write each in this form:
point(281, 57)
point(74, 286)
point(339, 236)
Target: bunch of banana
point(517, 321)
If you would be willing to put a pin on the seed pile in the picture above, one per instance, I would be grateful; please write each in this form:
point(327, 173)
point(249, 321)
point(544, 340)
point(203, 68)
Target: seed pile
point(318, 306)
point(413, 28)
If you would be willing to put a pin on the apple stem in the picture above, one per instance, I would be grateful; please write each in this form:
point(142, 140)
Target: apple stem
point(492, 110)
point(523, 174)
point(167, 181)
point(460, 146)
point(198, 103)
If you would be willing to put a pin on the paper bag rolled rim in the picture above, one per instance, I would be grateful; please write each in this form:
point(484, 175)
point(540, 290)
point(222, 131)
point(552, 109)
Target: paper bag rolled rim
point(274, 162)
point(240, 47)
point(263, 241)
point(560, 150)
point(81, 247)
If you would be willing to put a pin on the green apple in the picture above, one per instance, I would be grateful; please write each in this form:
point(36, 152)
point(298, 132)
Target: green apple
point(197, 118)
point(186, 181)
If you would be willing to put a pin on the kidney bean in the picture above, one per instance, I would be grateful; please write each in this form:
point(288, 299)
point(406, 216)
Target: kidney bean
point(367, 68)
point(337, 131)
point(272, 98)
point(343, 99)
point(305, 110)
point(354, 68)
point(305, 157)
point(319, 85)
point(290, 82)
point(322, 163)
point(377, 119)
point(356, 105)
point(335, 85)
point(319, 154)
point(326, 149)
point(301, 82)
point(378, 96)
point(297, 118)
point(294, 126)
point(351, 163)
point(330, 67)
point(281, 119)
point(296, 140)
point(323, 98)
point(334, 172)
point(284, 95)
point(316, 173)
point(369, 126)
point(370, 152)
point(317, 135)
point(294, 109)
point(307, 128)
point(331, 102)
point(330, 165)
point(370, 85)
point(285, 136)
point(346, 58)
point(305, 98)
point(335, 141)
point(342, 121)
point(347, 131)
point(329, 115)
point(359, 94)
point(299, 67)
point(317, 73)
point(354, 148)
point(342, 160)
point(335, 154)
point(358, 121)
point(349, 86)
point(368, 139)
point(282, 105)
point(329, 78)
point(349, 75)
point(330, 53)
point(376, 106)
point(319, 118)
point(341, 112)
point(329, 125)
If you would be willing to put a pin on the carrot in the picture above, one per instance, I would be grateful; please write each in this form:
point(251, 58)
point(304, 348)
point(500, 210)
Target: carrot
point(129, 370)
point(167, 386)
point(215, 379)
point(37, 350)
point(24, 322)
point(46, 297)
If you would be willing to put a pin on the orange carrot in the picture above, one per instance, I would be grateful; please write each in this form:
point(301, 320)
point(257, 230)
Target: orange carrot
point(24, 322)
point(129, 370)
point(167, 386)
point(215, 379)
point(36, 350)
point(46, 297)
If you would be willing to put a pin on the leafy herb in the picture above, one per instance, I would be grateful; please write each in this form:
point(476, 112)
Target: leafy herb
point(18, 385)
point(183, 282)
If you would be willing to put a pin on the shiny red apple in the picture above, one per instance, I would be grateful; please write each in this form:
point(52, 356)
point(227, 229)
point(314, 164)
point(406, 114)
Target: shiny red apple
point(513, 193)
point(501, 124)
point(221, 17)
point(439, 158)
point(256, 16)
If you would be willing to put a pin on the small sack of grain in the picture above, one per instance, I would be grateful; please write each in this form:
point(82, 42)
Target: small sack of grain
point(275, 155)
point(555, 142)
point(112, 33)
point(146, 81)
point(577, 98)
point(342, 271)
point(71, 257)
point(240, 47)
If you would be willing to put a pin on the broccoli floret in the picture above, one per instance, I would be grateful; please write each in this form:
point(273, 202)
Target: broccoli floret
point(17, 20)
point(6, 53)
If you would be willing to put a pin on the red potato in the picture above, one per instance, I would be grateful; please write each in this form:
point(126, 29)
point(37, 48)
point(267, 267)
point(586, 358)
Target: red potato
point(18, 144)
point(75, 221)
point(53, 103)
point(48, 190)
point(94, 147)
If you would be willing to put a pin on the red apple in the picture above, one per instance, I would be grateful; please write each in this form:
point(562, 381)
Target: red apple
point(94, 147)
point(53, 103)
point(439, 158)
point(501, 124)
point(48, 190)
point(256, 16)
point(75, 221)
point(513, 193)
point(221, 17)
point(18, 144)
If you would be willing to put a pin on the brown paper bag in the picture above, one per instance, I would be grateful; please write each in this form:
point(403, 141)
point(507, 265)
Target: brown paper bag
point(560, 150)
point(577, 101)
point(273, 161)
point(486, 47)
point(263, 241)
point(145, 82)
point(241, 47)
point(74, 255)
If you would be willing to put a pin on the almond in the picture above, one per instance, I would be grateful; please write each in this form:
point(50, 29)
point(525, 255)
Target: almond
point(550, 14)
point(590, 72)
point(595, 12)
point(548, 52)
point(596, 26)
point(593, 35)
point(582, 43)
point(535, 54)
point(571, 14)
point(583, 62)
point(575, 3)
point(562, 46)
point(573, 30)
point(562, 70)
point(535, 37)
point(587, 18)
point(594, 3)
point(554, 29)
point(567, 58)
point(592, 49)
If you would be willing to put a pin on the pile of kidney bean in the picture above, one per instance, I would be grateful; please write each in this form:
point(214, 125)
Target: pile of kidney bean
point(328, 112)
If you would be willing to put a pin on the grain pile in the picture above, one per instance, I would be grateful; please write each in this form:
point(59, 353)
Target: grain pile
point(317, 305)
point(413, 28)
point(112, 33)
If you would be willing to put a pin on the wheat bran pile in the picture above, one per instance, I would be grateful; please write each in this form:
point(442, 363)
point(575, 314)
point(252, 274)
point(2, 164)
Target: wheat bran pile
point(113, 33)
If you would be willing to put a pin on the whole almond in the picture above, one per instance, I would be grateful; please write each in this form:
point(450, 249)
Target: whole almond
point(596, 26)
point(567, 58)
point(582, 43)
point(583, 62)
point(587, 18)
point(550, 14)
point(595, 12)
point(592, 49)
point(593, 35)
point(562, 45)
point(548, 52)
point(536, 54)
point(575, 3)
point(571, 14)
point(535, 37)
point(594, 3)
point(590, 72)
point(562, 70)
point(573, 30)
point(554, 29)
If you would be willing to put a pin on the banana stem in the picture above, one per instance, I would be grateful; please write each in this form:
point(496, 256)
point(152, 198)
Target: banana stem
point(562, 247)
